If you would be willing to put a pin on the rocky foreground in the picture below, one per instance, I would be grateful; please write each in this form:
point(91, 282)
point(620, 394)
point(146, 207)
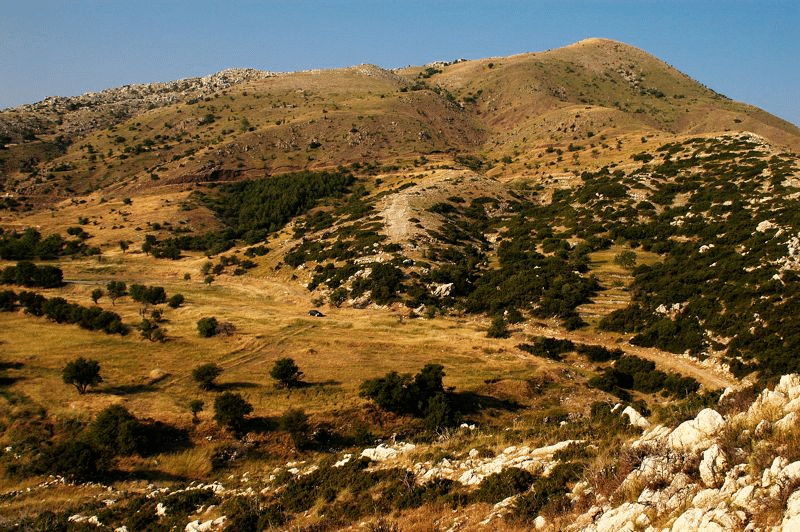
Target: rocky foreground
point(715, 472)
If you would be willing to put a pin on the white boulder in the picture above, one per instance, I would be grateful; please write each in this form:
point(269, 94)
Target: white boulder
point(712, 466)
point(696, 433)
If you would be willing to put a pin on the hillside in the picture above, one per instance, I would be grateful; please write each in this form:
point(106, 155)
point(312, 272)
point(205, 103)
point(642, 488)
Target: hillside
point(545, 291)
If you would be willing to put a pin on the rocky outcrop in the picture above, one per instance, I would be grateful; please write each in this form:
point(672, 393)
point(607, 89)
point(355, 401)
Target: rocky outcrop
point(696, 433)
point(698, 476)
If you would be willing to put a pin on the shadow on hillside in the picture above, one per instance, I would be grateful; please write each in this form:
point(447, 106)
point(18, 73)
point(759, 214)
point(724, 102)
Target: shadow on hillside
point(259, 424)
point(11, 365)
point(320, 384)
point(8, 381)
point(230, 386)
point(473, 403)
point(126, 389)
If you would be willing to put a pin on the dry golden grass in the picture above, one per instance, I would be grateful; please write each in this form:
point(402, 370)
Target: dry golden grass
point(336, 353)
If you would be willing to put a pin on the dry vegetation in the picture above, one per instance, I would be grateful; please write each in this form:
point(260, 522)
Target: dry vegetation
point(425, 145)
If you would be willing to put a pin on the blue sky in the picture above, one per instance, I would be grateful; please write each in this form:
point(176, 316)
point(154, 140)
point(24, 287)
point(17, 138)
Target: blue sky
point(745, 49)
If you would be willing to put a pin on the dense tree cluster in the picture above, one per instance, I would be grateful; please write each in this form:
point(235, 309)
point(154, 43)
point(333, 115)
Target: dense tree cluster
point(251, 210)
point(59, 310)
point(30, 275)
point(30, 245)
point(630, 372)
point(422, 395)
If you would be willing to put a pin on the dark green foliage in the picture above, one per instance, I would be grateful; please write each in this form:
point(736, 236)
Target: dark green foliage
point(383, 283)
point(196, 406)
point(151, 330)
point(205, 375)
point(393, 392)
point(115, 431)
point(8, 300)
point(208, 327)
point(253, 209)
point(498, 328)
point(30, 245)
point(29, 275)
point(82, 373)
point(498, 486)
point(440, 412)
point(148, 295)
point(614, 382)
point(548, 493)
point(76, 459)
point(596, 353)
point(176, 300)
point(116, 289)
point(630, 319)
point(633, 373)
point(551, 348)
point(423, 395)
point(295, 422)
point(626, 259)
point(286, 372)
point(97, 293)
point(230, 409)
point(32, 302)
point(59, 310)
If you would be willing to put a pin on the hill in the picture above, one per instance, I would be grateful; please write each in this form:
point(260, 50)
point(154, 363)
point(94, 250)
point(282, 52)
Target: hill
point(505, 286)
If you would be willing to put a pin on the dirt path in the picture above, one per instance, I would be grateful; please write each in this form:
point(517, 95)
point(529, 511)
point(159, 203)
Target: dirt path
point(395, 217)
point(397, 209)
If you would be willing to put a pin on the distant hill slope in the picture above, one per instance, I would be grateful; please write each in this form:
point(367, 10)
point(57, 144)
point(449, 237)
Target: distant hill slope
point(252, 123)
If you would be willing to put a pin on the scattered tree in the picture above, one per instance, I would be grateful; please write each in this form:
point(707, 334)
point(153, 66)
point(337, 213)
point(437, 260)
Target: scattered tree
point(123, 245)
point(286, 372)
point(295, 422)
point(176, 301)
point(150, 330)
point(207, 327)
point(498, 328)
point(205, 375)
point(116, 289)
point(115, 431)
point(196, 406)
point(97, 293)
point(230, 409)
point(626, 259)
point(82, 373)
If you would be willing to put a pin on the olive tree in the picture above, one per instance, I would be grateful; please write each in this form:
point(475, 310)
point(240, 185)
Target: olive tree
point(205, 374)
point(230, 409)
point(82, 373)
point(286, 372)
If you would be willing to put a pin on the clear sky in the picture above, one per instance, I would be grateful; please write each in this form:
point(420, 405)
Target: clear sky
point(745, 49)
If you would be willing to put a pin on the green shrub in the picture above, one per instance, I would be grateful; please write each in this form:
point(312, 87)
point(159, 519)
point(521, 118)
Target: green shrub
point(286, 372)
point(208, 327)
point(205, 375)
point(498, 486)
point(230, 409)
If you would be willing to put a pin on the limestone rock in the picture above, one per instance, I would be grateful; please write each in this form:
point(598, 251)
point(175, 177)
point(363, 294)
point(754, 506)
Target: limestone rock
point(384, 452)
point(787, 422)
point(699, 520)
point(636, 419)
point(696, 433)
point(791, 518)
point(623, 518)
point(712, 466)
